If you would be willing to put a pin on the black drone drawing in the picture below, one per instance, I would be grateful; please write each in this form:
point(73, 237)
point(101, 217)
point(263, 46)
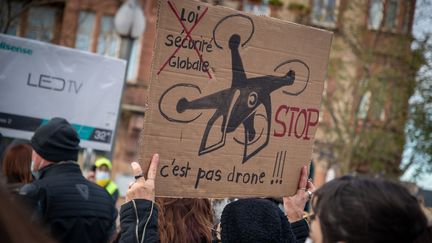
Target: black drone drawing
point(238, 104)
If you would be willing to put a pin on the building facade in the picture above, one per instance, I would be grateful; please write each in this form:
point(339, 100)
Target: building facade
point(363, 91)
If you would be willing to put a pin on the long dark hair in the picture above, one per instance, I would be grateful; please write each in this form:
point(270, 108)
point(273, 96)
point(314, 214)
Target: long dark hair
point(184, 220)
point(16, 164)
point(355, 210)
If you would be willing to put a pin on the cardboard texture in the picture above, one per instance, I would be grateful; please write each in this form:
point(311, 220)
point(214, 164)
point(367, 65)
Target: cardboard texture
point(234, 101)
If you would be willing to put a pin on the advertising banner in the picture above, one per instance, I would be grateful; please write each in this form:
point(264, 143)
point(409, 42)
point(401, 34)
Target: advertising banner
point(40, 81)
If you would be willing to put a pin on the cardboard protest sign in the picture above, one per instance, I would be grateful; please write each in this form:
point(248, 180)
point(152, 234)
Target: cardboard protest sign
point(39, 81)
point(235, 101)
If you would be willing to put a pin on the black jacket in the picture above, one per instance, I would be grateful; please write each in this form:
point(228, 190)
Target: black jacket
point(73, 209)
point(135, 217)
point(140, 210)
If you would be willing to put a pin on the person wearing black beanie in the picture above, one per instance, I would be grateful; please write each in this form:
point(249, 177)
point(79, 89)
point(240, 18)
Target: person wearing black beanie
point(73, 208)
point(56, 141)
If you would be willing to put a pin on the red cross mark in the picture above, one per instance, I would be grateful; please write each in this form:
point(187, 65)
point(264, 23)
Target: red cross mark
point(188, 36)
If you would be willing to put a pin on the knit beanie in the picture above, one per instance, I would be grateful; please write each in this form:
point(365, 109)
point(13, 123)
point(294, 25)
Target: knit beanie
point(255, 220)
point(56, 141)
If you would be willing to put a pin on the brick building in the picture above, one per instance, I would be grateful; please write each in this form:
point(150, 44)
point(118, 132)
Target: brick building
point(88, 25)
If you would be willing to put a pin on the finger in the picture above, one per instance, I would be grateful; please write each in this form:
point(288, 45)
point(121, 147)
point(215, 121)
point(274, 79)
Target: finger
point(136, 170)
point(303, 177)
point(310, 186)
point(151, 174)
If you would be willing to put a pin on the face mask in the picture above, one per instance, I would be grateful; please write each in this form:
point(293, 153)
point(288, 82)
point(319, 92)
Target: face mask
point(102, 178)
point(35, 174)
point(308, 240)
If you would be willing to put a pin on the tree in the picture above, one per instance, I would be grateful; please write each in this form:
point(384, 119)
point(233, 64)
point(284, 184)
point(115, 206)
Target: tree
point(419, 125)
point(372, 74)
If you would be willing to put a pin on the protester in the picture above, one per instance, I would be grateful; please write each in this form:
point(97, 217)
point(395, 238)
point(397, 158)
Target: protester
point(73, 208)
point(16, 167)
point(351, 210)
point(184, 220)
point(138, 216)
point(168, 219)
point(91, 174)
point(103, 177)
point(255, 220)
point(261, 220)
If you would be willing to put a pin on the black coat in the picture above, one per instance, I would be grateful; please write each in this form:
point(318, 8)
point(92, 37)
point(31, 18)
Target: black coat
point(141, 211)
point(73, 208)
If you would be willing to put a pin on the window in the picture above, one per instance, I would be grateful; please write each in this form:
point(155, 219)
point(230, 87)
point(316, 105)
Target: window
point(85, 30)
point(391, 8)
point(406, 17)
point(14, 25)
point(257, 9)
point(106, 41)
point(41, 23)
point(364, 105)
point(391, 14)
point(38, 23)
point(376, 14)
point(324, 13)
point(132, 74)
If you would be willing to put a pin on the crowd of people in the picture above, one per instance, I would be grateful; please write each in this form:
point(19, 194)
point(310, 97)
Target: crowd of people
point(46, 198)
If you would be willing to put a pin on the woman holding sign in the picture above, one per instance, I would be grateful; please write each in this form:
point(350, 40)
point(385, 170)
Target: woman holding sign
point(346, 209)
point(139, 215)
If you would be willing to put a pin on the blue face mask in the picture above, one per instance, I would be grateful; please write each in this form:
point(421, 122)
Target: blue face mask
point(35, 174)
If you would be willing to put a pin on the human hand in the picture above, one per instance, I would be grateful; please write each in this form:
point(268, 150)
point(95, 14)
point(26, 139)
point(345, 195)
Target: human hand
point(294, 205)
point(143, 187)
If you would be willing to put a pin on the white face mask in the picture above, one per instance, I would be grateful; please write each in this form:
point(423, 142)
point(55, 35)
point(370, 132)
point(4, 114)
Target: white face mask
point(308, 240)
point(102, 176)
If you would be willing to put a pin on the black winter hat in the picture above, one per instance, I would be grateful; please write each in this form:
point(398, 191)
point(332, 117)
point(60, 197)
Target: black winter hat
point(255, 220)
point(56, 141)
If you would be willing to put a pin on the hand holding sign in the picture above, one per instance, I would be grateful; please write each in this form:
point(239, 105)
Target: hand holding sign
point(143, 187)
point(294, 205)
point(229, 95)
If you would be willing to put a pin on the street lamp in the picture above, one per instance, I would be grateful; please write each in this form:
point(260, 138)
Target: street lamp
point(129, 20)
point(129, 23)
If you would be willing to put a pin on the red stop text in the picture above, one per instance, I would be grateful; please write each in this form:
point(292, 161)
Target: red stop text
point(295, 121)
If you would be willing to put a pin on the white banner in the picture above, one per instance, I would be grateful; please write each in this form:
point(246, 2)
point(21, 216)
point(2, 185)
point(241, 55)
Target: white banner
point(39, 81)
